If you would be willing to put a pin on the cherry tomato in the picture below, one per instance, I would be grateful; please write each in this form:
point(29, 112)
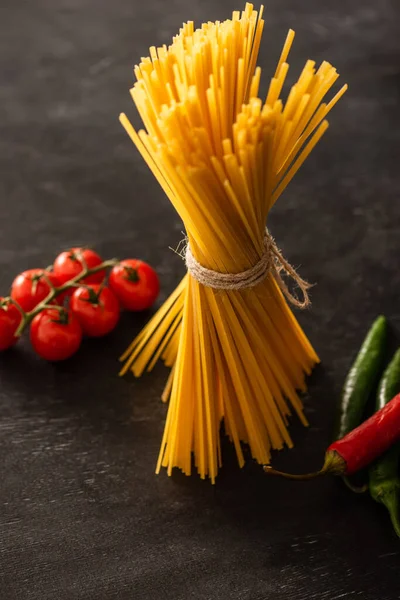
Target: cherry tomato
point(30, 287)
point(135, 284)
point(10, 318)
point(98, 313)
point(55, 335)
point(68, 265)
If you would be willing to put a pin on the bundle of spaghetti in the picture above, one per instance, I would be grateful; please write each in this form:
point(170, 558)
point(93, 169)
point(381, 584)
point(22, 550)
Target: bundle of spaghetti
point(223, 158)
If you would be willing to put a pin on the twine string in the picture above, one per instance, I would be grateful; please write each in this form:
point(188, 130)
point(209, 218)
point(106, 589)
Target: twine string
point(272, 261)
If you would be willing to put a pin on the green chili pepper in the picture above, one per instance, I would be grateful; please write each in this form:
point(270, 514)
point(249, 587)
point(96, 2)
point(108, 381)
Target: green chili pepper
point(384, 481)
point(360, 382)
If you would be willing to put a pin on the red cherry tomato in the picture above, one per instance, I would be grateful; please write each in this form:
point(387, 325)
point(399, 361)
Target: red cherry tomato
point(98, 313)
point(30, 287)
point(68, 265)
point(135, 284)
point(55, 335)
point(10, 318)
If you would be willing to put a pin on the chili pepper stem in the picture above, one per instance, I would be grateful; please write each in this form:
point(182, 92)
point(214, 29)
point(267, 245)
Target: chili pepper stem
point(334, 465)
point(305, 477)
point(355, 488)
point(390, 499)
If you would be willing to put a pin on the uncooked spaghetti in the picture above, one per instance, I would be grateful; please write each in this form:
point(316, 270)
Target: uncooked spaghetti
point(223, 157)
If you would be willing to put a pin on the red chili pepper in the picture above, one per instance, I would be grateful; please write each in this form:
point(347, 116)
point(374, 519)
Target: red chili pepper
point(360, 447)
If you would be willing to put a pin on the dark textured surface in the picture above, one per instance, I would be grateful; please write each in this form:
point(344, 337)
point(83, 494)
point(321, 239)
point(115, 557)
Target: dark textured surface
point(83, 517)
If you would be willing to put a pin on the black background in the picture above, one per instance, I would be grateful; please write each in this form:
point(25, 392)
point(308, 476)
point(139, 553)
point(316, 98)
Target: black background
point(82, 514)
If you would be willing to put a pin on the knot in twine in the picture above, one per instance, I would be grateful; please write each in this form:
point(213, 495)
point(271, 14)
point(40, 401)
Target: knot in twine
point(271, 261)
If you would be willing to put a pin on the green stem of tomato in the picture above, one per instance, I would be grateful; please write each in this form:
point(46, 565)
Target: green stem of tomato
point(21, 310)
point(27, 317)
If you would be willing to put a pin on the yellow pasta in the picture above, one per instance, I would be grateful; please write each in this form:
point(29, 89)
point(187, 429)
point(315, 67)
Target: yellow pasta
point(223, 156)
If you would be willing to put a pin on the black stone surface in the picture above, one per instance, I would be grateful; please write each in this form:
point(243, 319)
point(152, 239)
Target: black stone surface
point(82, 515)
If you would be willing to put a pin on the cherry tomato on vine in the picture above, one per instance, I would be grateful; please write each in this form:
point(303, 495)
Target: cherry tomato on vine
point(68, 265)
point(96, 309)
point(135, 284)
point(55, 335)
point(10, 318)
point(30, 287)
